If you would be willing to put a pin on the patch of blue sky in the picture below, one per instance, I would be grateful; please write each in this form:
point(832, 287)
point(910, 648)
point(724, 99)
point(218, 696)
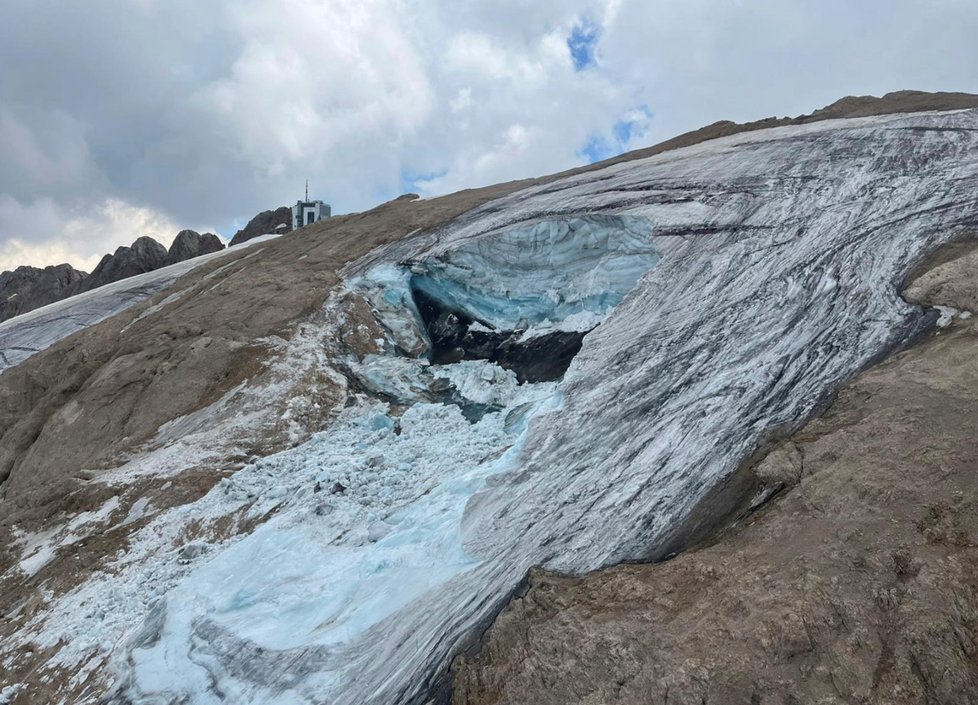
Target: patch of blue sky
point(619, 137)
point(583, 43)
point(596, 149)
point(411, 181)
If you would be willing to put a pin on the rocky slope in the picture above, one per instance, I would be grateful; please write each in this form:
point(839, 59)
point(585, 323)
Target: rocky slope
point(857, 583)
point(27, 288)
point(146, 519)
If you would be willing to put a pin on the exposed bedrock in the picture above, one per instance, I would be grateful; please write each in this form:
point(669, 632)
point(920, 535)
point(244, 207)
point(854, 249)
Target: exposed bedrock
point(858, 583)
point(189, 244)
point(455, 336)
point(144, 255)
point(273, 221)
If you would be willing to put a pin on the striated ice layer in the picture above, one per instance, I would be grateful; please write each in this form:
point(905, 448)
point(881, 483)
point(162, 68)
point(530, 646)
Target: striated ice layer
point(564, 274)
point(549, 271)
point(781, 254)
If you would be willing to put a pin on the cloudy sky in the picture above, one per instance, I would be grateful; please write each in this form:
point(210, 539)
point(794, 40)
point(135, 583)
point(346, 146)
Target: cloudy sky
point(121, 118)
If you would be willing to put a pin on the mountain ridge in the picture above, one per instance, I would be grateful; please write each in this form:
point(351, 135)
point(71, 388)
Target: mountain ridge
point(31, 287)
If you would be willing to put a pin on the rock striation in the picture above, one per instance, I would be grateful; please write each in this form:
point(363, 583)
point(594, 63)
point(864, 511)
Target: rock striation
point(274, 221)
point(27, 288)
point(189, 244)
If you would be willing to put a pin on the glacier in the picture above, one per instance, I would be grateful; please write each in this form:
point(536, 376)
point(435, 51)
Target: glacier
point(720, 290)
point(523, 297)
point(550, 271)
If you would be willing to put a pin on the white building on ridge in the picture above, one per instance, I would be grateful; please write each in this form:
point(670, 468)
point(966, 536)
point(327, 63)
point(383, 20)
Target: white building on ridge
point(307, 212)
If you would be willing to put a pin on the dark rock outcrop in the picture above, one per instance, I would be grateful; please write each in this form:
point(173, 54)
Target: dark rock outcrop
point(542, 358)
point(27, 288)
point(189, 244)
point(276, 221)
point(144, 255)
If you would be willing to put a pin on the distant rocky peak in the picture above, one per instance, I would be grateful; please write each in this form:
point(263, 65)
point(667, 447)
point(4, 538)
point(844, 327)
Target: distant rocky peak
point(275, 221)
point(144, 255)
point(189, 244)
point(27, 288)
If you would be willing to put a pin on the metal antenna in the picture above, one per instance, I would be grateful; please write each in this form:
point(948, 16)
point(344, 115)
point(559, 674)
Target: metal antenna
point(307, 189)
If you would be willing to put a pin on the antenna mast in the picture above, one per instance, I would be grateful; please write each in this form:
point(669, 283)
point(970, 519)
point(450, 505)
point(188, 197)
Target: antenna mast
point(307, 189)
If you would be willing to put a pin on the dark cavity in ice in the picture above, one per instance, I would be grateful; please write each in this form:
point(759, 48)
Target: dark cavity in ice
point(542, 358)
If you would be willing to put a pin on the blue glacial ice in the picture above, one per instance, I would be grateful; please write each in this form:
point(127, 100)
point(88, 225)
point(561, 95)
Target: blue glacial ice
point(546, 272)
point(367, 519)
point(562, 274)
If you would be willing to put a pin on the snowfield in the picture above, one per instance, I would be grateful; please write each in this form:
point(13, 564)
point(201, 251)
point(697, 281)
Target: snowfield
point(735, 282)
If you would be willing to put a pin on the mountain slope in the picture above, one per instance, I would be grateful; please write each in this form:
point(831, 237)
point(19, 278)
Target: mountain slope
point(736, 282)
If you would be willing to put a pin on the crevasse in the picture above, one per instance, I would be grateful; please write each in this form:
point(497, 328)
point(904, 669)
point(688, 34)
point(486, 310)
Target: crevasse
point(547, 274)
point(535, 279)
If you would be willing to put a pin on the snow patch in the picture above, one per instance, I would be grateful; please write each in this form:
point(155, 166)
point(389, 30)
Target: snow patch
point(949, 313)
point(8, 693)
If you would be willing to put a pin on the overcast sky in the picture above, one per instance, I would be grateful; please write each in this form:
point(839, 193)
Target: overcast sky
point(121, 118)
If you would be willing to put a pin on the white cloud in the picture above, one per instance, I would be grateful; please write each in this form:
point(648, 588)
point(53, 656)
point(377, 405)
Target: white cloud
point(462, 100)
point(44, 150)
point(77, 236)
point(210, 112)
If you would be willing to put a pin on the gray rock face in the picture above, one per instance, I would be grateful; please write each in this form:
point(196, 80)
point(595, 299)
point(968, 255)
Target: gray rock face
point(145, 255)
point(27, 288)
point(189, 244)
point(264, 223)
